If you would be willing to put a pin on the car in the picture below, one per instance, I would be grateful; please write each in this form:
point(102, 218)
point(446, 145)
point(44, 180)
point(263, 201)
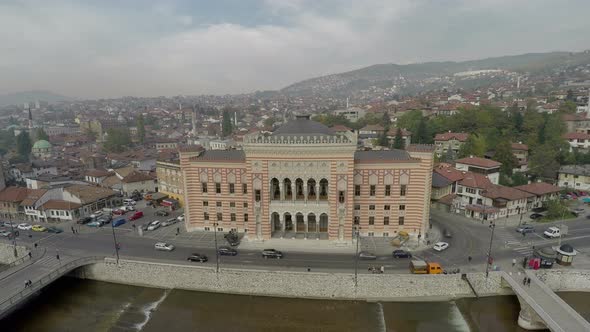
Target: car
point(536, 216)
point(169, 222)
point(96, 214)
point(128, 202)
point(4, 233)
point(440, 246)
point(95, 223)
point(38, 228)
point(136, 215)
point(552, 232)
point(119, 212)
point(180, 217)
point(24, 227)
point(525, 229)
point(540, 209)
point(129, 208)
point(104, 220)
point(583, 193)
point(578, 211)
point(55, 230)
point(118, 222)
point(367, 255)
point(154, 225)
point(399, 253)
point(161, 213)
point(272, 253)
point(164, 246)
point(447, 233)
point(227, 251)
point(197, 258)
point(83, 221)
point(149, 203)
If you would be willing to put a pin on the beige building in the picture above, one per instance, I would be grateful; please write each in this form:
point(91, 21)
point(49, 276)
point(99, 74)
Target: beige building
point(304, 181)
point(574, 176)
point(445, 141)
point(170, 180)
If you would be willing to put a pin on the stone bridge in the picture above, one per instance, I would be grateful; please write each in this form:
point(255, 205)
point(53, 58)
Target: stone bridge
point(541, 308)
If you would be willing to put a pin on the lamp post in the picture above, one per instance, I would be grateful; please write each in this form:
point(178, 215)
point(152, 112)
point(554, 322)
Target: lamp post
point(115, 242)
point(216, 249)
point(13, 234)
point(493, 227)
point(356, 256)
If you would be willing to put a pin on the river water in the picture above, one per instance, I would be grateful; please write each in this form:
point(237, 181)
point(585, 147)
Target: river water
point(88, 306)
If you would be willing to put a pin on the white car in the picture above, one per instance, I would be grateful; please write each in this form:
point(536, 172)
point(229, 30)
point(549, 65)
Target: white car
point(181, 217)
point(552, 232)
point(24, 227)
point(154, 225)
point(96, 214)
point(440, 246)
point(163, 246)
point(129, 201)
point(127, 208)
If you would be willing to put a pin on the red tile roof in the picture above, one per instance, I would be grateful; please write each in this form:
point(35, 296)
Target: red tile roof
point(496, 191)
point(339, 128)
point(98, 173)
point(578, 136)
point(13, 194)
point(573, 117)
point(450, 173)
point(375, 127)
point(33, 196)
point(393, 131)
point(520, 146)
point(461, 137)
point(479, 162)
point(136, 176)
point(55, 204)
point(539, 188)
point(475, 180)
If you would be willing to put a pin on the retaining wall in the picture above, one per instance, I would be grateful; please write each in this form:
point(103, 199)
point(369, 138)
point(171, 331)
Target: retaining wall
point(566, 280)
point(7, 253)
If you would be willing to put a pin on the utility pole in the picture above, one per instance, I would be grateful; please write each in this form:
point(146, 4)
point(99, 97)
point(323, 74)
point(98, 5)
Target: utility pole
point(13, 234)
point(356, 256)
point(115, 242)
point(216, 249)
point(492, 226)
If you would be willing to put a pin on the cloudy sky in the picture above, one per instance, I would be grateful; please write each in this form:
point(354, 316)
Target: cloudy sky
point(110, 48)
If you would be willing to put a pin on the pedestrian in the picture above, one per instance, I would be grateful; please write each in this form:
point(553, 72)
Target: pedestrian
point(524, 261)
point(528, 282)
point(177, 230)
point(57, 256)
point(513, 262)
point(30, 255)
point(308, 269)
point(524, 281)
point(523, 235)
point(73, 232)
point(26, 284)
point(35, 245)
point(382, 269)
point(30, 283)
point(469, 258)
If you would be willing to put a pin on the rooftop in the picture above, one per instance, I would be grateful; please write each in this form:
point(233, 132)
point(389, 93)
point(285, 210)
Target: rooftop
point(89, 194)
point(461, 137)
point(475, 180)
point(575, 169)
point(478, 162)
point(439, 181)
point(381, 155)
point(222, 155)
point(539, 188)
point(502, 192)
point(303, 125)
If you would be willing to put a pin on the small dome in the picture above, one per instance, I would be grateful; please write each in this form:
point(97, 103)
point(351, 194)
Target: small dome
point(566, 248)
point(547, 251)
point(42, 144)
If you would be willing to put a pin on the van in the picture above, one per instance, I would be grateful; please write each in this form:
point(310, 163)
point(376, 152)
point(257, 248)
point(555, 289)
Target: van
point(419, 266)
point(119, 222)
point(129, 201)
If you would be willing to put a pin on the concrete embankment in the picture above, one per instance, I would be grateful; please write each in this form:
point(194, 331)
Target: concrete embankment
point(7, 253)
point(388, 287)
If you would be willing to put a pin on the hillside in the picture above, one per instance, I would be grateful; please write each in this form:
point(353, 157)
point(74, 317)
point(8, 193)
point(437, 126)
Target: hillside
point(420, 76)
point(18, 98)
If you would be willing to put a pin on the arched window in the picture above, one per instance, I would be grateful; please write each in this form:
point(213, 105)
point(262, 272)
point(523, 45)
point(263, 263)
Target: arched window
point(311, 193)
point(275, 191)
point(323, 189)
point(287, 189)
point(299, 189)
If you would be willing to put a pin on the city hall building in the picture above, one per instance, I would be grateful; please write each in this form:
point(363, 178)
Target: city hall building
point(305, 181)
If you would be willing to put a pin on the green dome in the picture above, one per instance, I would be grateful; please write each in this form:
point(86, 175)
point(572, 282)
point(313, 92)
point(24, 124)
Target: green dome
point(41, 144)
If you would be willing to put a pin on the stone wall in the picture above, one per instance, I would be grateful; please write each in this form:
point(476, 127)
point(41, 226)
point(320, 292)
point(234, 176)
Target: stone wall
point(7, 253)
point(565, 280)
point(386, 287)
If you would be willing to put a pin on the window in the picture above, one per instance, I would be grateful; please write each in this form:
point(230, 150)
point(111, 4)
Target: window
point(207, 228)
point(205, 203)
point(206, 216)
point(245, 204)
point(218, 188)
point(371, 207)
point(357, 207)
point(402, 208)
point(371, 234)
point(232, 204)
point(244, 188)
point(204, 187)
point(470, 190)
point(257, 195)
point(385, 221)
point(372, 190)
point(357, 190)
point(402, 189)
point(232, 188)
point(357, 220)
point(245, 217)
point(232, 217)
point(400, 221)
point(219, 216)
point(220, 229)
point(371, 220)
point(341, 196)
point(388, 190)
point(218, 204)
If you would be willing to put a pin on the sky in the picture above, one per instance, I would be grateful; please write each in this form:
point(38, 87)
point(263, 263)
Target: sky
point(110, 48)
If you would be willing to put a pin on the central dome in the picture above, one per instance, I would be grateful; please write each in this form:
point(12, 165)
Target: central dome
point(303, 125)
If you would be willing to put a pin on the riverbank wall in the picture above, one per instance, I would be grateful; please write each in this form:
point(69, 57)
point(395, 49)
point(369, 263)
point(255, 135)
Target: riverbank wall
point(310, 285)
point(7, 253)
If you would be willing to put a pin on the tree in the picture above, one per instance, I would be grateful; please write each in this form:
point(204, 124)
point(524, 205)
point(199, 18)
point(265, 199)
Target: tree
point(504, 155)
point(118, 140)
point(556, 209)
point(41, 134)
point(421, 134)
point(474, 146)
point(568, 107)
point(398, 142)
point(23, 144)
point(543, 162)
point(570, 95)
point(141, 128)
point(269, 122)
point(386, 120)
point(383, 141)
point(227, 123)
point(449, 156)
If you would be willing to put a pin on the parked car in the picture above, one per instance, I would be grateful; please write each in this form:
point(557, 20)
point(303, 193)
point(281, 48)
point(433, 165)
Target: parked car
point(38, 228)
point(440, 246)
point(180, 217)
point(4, 233)
point(128, 201)
point(154, 225)
point(169, 222)
point(119, 212)
point(540, 209)
point(536, 216)
point(95, 223)
point(399, 253)
point(55, 230)
point(161, 213)
point(578, 211)
point(104, 220)
point(367, 255)
point(525, 229)
point(96, 214)
point(197, 258)
point(272, 253)
point(136, 215)
point(447, 233)
point(118, 222)
point(127, 208)
point(164, 246)
point(24, 227)
point(227, 251)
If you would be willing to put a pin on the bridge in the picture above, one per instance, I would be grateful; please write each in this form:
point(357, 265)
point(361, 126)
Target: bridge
point(541, 308)
point(41, 270)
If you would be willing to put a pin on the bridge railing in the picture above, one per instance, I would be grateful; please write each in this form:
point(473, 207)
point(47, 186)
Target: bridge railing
point(45, 280)
point(21, 260)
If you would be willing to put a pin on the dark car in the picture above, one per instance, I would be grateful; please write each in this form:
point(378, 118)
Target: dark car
point(399, 253)
point(53, 229)
point(539, 209)
point(232, 238)
point(84, 221)
point(197, 258)
point(525, 229)
point(447, 233)
point(272, 253)
point(227, 251)
point(536, 216)
point(367, 255)
point(161, 213)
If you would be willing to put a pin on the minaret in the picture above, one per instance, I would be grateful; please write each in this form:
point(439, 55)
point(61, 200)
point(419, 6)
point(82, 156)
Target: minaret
point(30, 120)
point(518, 83)
point(194, 122)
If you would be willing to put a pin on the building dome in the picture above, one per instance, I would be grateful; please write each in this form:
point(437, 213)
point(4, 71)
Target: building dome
point(41, 145)
point(566, 248)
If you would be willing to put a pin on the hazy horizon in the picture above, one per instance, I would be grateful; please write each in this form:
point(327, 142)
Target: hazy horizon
point(102, 49)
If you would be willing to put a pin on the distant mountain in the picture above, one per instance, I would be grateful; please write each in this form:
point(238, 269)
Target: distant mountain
point(419, 76)
point(18, 98)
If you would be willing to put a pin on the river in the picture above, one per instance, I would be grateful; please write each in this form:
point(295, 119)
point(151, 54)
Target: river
point(88, 306)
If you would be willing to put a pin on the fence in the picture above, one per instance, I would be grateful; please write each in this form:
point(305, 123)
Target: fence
point(21, 260)
point(45, 280)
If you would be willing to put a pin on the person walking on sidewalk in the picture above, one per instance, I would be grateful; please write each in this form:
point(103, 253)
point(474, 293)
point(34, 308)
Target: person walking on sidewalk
point(528, 282)
point(513, 262)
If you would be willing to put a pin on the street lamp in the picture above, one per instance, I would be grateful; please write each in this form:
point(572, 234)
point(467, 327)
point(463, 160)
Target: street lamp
point(216, 249)
point(356, 256)
point(115, 242)
point(488, 262)
point(13, 238)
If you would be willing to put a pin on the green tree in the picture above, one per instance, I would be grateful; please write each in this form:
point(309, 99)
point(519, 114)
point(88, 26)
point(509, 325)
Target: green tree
point(556, 209)
point(118, 140)
point(410, 121)
point(386, 120)
point(543, 162)
point(383, 141)
point(227, 123)
point(532, 124)
point(474, 146)
point(141, 128)
point(503, 154)
point(570, 95)
point(422, 135)
point(568, 107)
point(269, 122)
point(398, 142)
point(23, 144)
point(41, 134)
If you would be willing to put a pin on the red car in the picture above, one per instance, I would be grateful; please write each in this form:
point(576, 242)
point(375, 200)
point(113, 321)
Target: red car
point(119, 212)
point(136, 215)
